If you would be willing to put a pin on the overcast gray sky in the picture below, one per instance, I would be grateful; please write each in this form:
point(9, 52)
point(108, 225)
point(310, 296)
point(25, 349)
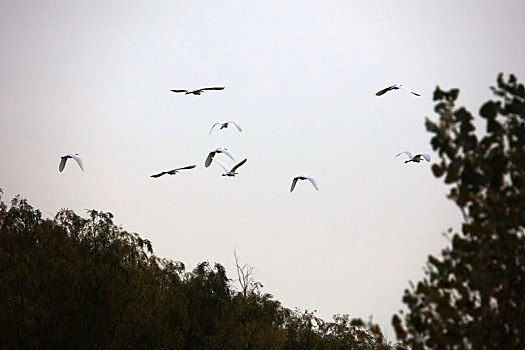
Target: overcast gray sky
point(93, 77)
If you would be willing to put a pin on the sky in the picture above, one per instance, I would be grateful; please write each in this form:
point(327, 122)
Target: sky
point(94, 78)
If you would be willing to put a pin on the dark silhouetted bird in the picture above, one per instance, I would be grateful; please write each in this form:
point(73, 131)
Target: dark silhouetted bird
point(174, 171)
point(199, 91)
point(395, 87)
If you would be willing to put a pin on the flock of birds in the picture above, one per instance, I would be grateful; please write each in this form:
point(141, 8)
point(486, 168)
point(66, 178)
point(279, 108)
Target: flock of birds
point(416, 158)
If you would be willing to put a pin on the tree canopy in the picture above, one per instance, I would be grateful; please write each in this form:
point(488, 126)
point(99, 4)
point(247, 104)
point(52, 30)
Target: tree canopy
point(84, 283)
point(473, 295)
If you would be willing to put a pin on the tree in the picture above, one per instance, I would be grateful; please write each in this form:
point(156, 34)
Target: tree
point(246, 279)
point(85, 283)
point(73, 282)
point(473, 295)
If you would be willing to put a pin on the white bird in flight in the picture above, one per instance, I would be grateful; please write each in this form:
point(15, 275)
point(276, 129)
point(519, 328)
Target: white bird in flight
point(226, 124)
point(415, 158)
point(304, 177)
point(395, 87)
point(212, 153)
point(198, 91)
point(64, 159)
point(174, 171)
point(232, 171)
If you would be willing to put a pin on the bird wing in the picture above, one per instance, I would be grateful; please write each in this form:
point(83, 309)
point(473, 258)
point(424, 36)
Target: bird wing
point(412, 92)
point(214, 125)
point(159, 174)
point(238, 165)
point(225, 151)
point(294, 182)
point(385, 90)
point(62, 164)
point(213, 88)
point(79, 161)
point(222, 165)
point(312, 180)
point(209, 158)
point(186, 167)
point(179, 90)
point(426, 156)
point(234, 122)
point(408, 153)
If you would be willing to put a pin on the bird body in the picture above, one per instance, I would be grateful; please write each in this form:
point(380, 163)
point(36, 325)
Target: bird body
point(304, 177)
point(416, 158)
point(64, 159)
point(198, 91)
point(226, 124)
point(230, 172)
point(173, 172)
point(395, 87)
point(212, 153)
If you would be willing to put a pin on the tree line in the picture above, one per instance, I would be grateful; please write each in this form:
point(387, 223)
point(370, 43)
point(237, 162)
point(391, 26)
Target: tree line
point(84, 283)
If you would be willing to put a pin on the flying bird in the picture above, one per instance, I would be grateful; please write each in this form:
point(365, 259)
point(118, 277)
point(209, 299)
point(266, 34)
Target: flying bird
point(64, 159)
point(212, 153)
point(304, 177)
point(232, 171)
point(415, 158)
point(226, 124)
point(395, 87)
point(173, 172)
point(199, 91)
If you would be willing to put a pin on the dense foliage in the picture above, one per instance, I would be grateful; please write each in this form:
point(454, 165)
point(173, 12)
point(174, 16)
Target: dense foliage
point(473, 297)
point(77, 283)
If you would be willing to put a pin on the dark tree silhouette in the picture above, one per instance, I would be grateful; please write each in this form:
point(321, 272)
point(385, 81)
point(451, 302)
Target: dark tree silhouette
point(473, 295)
point(84, 283)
